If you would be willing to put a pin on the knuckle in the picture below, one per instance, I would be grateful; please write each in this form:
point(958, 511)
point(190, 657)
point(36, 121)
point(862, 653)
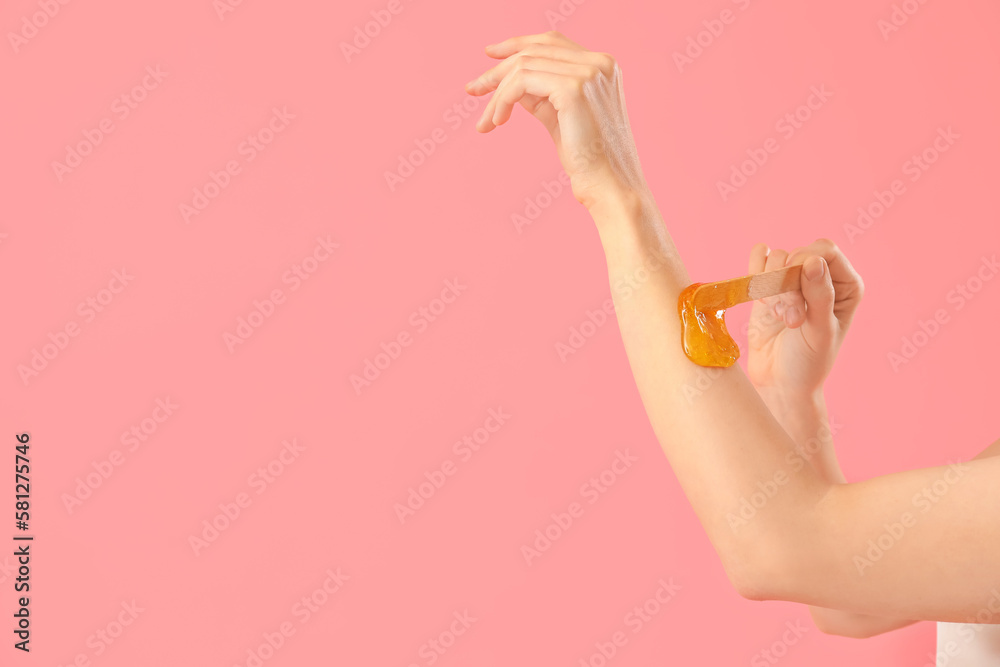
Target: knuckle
point(516, 78)
point(826, 244)
point(607, 63)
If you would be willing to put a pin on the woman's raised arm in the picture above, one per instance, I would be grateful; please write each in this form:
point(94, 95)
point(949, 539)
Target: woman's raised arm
point(923, 544)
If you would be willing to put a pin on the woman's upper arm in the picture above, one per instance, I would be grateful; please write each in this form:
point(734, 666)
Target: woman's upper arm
point(992, 450)
point(920, 544)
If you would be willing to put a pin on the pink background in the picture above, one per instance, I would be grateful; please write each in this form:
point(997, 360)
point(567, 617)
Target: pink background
point(494, 346)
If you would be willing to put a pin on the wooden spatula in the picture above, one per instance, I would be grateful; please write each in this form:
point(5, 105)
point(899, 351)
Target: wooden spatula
point(728, 293)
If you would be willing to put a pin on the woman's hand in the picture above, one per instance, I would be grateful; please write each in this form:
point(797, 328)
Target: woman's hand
point(577, 94)
point(794, 337)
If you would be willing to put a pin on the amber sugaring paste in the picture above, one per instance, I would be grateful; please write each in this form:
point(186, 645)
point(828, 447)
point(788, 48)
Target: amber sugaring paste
point(703, 326)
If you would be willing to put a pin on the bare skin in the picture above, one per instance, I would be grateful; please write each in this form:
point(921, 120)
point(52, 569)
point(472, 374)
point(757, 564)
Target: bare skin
point(794, 341)
point(811, 541)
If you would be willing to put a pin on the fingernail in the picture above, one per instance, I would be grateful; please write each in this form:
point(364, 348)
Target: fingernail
point(813, 268)
point(792, 314)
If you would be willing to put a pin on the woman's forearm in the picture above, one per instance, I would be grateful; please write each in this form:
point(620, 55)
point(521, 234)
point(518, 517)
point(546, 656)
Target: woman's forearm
point(807, 422)
point(863, 547)
point(725, 441)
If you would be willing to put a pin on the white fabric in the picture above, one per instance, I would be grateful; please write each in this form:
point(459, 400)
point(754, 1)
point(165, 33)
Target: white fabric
point(967, 645)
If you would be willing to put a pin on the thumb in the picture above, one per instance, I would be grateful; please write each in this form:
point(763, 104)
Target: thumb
point(542, 109)
point(820, 323)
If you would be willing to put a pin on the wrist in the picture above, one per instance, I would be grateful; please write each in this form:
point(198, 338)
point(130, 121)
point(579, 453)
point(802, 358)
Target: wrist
point(628, 221)
point(794, 405)
point(634, 238)
point(616, 208)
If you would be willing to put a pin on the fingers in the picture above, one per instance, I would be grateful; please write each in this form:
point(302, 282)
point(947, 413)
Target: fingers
point(765, 323)
point(820, 325)
point(512, 88)
point(544, 73)
point(542, 109)
point(788, 306)
point(514, 44)
point(793, 304)
point(847, 283)
point(830, 290)
point(525, 81)
point(758, 258)
point(491, 78)
point(775, 259)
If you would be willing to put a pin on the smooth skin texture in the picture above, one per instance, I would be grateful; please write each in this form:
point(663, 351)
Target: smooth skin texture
point(793, 344)
point(803, 545)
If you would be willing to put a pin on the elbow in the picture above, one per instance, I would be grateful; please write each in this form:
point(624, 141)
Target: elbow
point(769, 564)
point(759, 583)
point(778, 557)
point(753, 576)
point(827, 622)
point(748, 585)
point(842, 624)
point(761, 572)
